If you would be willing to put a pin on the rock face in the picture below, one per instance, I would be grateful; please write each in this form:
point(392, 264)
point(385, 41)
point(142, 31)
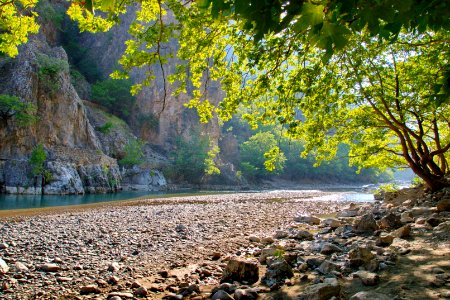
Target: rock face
point(138, 178)
point(79, 158)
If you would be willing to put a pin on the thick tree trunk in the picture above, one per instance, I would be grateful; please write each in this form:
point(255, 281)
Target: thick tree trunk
point(434, 182)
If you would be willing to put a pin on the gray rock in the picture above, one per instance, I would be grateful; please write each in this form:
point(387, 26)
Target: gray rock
point(307, 219)
point(348, 213)
point(366, 224)
point(300, 234)
point(327, 267)
point(390, 221)
point(241, 270)
point(3, 267)
point(369, 295)
point(328, 248)
point(267, 252)
point(281, 234)
point(277, 271)
point(367, 278)
point(406, 217)
point(322, 291)
point(333, 223)
point(139, 178)
point(221, 295)
point(245, 294)
point(66, 179)
point(227, 287)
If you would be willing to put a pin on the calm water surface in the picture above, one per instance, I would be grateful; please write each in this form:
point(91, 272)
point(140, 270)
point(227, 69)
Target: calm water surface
point(8, 201)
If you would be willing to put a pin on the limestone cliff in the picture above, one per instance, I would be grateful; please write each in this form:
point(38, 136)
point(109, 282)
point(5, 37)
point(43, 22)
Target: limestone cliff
point(76, 160)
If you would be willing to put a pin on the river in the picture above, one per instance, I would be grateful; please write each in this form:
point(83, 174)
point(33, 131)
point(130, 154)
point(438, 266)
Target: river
point(14, 201)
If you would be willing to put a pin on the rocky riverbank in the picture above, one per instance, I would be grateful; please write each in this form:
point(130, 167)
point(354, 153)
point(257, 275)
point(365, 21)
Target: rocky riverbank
point(282, 245)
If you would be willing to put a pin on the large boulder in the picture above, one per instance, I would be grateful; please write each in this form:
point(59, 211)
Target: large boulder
point(322, 291)
point(65, 179)
point(241, 270)
point(277, 271)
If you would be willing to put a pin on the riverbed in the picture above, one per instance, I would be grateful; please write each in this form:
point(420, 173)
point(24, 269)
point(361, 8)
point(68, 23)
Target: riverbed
point(142, 237)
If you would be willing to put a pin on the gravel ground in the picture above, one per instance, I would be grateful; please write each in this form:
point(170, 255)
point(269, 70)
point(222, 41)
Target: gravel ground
point(139, 239)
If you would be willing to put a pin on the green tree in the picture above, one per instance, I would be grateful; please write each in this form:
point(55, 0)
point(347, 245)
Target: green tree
point(189, 158)
point(37, 160)
point(115, 96)
point(134, 154)
point(13, 107)
point(254, 162)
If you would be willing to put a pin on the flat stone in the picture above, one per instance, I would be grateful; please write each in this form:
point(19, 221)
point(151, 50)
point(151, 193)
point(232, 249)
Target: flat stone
point(322, 291)
point(89, 289)
point(121, 295)
point(63, 279)
point(245, 294)
point(300, 235)
point(367, 278)
point(369, 295)
point(49, 268)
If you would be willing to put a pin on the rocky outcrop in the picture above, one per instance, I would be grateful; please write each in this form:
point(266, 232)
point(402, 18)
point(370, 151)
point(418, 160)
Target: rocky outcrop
point(139, 178)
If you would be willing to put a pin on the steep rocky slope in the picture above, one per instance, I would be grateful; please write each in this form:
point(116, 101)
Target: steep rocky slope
point(79, 158)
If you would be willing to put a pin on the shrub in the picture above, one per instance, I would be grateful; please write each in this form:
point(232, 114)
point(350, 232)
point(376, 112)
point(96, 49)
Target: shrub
point(115, 96)
point(105, 128)
point(11, 106)
point(134, 154)
point(49, 68)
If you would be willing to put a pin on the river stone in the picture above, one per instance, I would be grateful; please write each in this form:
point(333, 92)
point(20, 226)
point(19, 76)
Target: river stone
point(402, 232)
point(267, 252)
point(443, 205)
point(141, 292)
point(20, 267)
point(328, 267)
point(390, 221)
point(366, 224)
point(3, 267)
point(329, 248)
point(221, 295)
point(241, 270)
point(369, 295)
point(245, 294)
point(322, 291)
point(49, 267)
point(89, 289)
point(367, 278)
point(360, 256)
point(333, 223)
point(348, 213)
point(3, 246)
point(300, 234)
point(307, 219)
point(114, 267)
point(384, 240)
point(123, 295)
point(406, 217)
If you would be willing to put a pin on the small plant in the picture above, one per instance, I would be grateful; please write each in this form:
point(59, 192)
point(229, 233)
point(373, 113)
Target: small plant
point(279, 253)
point(106, 128)
point(417, 181)
point(386, 188)
point(49, 68)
